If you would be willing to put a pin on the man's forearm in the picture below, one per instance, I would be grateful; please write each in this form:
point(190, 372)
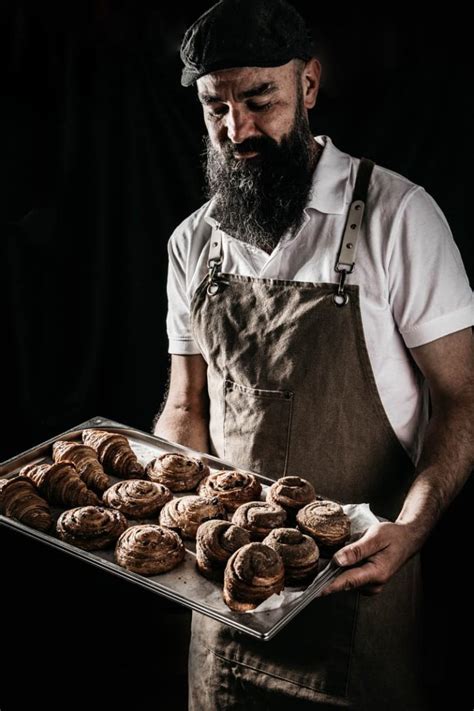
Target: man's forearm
point(185, 425)
point(446, 461)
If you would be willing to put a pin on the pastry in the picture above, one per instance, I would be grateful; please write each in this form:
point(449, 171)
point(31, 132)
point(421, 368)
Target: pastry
point(149, 549)
point(252, 574)
point(299, 553)
point(19, 499)
point(60, 484)
point(137, 498)
point(259, 517)
point(215, 543)
point(85, 460)
point(178, 472)
point(91, 527)
point(291, 493)
point(326, 522)
point(232, 487)
point(186, 514)
point(114, 453)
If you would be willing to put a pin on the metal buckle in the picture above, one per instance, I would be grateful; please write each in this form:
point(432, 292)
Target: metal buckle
point(213, 285)
point(341, 298)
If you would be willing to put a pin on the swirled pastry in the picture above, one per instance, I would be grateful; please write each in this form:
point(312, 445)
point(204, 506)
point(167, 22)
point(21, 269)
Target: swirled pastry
point(215, 543)
point(91, 527)
point(252, 574)
point(299, 553)
point(149, 549)
point(137, 498)
point(19, 499)
point(177, 471)
point(326, 522)
point(60, 484)
point(114, 453)
point(186, 514)
point(232, 487)
point(291, 493)
point(259, 518)
point(85, 460)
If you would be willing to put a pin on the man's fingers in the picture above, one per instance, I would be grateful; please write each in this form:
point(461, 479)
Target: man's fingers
point(364, 576)
point(366, 546)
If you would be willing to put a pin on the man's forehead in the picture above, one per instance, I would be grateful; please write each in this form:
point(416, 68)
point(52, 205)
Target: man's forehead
point(244, 80)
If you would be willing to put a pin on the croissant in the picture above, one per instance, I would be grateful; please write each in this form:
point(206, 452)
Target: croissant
point(232, 487)
point(85, 460)
point(299, 553)
point(259, 517)
point(149, 549)
point(291, 493)
point(215, 543)
point(137, 498)
point(186, 514)
point(178, 472)
point(91, 527)
point(114, 453)
point(252, 574)
point(326, 522)
point(60, 484)
point(19, 499)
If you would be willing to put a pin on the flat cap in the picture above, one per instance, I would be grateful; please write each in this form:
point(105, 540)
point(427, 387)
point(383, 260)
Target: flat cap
point(244, 33)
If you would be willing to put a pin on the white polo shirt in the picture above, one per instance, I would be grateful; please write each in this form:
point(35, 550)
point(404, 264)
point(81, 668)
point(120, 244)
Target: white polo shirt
point(412, 283)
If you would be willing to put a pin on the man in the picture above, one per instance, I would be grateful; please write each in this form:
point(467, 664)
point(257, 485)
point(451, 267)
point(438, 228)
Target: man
point(312, 302)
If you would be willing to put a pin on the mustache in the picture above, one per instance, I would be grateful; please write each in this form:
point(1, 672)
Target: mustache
point(260, 144)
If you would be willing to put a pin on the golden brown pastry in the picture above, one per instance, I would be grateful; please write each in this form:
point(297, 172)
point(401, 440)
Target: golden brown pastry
point(186, 514)
point(60, 484)
point(291, 493)
point(114, 453)
point(326, 522)
point(19, 499)
point(91, 527)
point(137, 498)
point(215, 543)
point(178, 472)
point(85, 460)
point(259, 517)
point(252, 574)
point(232, 487)
point(149, 549)
point(299, 553)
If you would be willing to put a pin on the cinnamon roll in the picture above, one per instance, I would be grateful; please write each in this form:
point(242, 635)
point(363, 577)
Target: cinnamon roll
point(60, 484)
point(291, 493)
point(178, 472)
point(186, 514)
point(19, 499)
point(215, 543)
point(85, 460)
point(149, 549)
point(299, 553)
point(326, 522)
point(252, 574)
point(137, 498)
point(114, 453)
point(232, 487)
point(259, 518)
point(91, 527)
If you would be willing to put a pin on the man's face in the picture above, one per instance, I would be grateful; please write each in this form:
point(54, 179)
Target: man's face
point(260, 151)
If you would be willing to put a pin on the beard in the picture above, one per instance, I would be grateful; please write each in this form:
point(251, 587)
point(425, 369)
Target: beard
point(258, 199)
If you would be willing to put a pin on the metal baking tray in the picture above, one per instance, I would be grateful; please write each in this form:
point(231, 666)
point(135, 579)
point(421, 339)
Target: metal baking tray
point(184, 584)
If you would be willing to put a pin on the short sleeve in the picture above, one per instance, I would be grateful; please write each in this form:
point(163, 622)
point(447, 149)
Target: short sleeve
point(178, 325)
point(429, 290)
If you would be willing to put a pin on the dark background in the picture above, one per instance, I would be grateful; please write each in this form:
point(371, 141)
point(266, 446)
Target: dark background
point(100, 160)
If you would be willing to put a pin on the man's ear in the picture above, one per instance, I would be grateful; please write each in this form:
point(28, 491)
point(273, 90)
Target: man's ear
point(310, 78)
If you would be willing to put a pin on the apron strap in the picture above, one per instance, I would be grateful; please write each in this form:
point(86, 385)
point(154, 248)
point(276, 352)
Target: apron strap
point(347, 251)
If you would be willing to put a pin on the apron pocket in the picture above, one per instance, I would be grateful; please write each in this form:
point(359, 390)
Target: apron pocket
point(256, 422)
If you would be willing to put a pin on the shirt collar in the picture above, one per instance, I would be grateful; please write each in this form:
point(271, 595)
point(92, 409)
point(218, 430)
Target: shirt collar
point(330, 182)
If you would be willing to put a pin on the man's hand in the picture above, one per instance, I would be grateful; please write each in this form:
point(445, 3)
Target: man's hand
point(378, 554)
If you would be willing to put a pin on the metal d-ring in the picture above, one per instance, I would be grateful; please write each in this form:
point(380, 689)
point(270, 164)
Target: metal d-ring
point(341, 297)
point(213, 285)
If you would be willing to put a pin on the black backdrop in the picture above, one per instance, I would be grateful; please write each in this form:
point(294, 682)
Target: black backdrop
point(101, 150)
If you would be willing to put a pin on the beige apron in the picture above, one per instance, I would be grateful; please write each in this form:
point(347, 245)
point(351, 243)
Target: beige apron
point(292, 392)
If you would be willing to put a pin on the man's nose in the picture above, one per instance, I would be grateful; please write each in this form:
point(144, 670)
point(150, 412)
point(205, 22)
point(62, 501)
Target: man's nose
point(240, 125)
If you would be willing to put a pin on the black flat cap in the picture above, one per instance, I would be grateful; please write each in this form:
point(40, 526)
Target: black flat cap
point(244, 33)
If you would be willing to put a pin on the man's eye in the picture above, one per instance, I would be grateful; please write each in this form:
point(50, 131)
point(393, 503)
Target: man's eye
point(260, 107)
point(217, 113)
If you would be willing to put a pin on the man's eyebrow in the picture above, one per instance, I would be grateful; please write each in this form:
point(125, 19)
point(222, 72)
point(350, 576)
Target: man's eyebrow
point(258, 90)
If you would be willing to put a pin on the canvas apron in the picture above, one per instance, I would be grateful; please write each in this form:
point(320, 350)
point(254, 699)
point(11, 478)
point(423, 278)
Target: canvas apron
point(292, 392)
